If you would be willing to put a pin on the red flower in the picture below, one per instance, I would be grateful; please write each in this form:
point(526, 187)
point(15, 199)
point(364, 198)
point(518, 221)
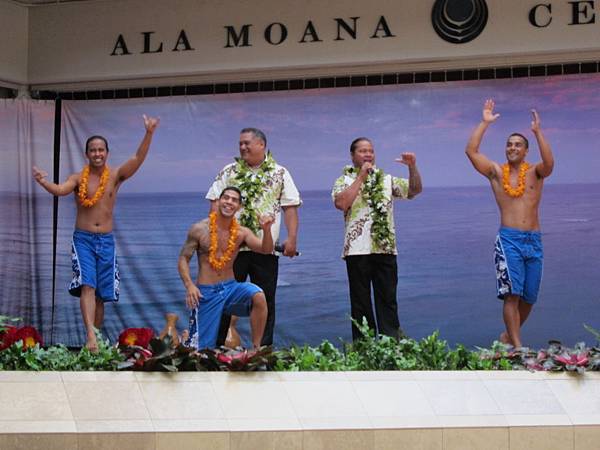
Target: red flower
point(29, 336)
point(136, 336)
point(7, 337)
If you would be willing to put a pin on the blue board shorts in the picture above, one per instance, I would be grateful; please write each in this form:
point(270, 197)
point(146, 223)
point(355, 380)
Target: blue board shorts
point(230, 297)
point(519, 258)
point(94, 262)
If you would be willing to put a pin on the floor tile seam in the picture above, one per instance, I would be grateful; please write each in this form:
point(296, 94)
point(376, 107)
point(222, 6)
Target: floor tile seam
point(566, 410)
point(222, 410)
point(572, 432)
point(493, 397)
point(445, 430)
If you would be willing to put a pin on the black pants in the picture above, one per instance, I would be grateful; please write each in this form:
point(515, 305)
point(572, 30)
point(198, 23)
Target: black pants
point(262, 270)
point(380, 271)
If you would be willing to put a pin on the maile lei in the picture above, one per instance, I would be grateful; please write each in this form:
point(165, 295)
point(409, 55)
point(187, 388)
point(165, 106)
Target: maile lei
point(252, 184)
point(373, 194)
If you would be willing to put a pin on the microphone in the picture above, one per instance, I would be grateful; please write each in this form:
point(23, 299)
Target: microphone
point(279, 250)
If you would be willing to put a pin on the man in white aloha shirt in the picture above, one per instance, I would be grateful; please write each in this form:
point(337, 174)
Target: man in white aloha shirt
point(267, 188)
point(365, 194)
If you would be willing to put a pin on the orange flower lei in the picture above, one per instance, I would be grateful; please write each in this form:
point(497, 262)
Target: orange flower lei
point(520, 189)
point(219, 263)
point(83, 187)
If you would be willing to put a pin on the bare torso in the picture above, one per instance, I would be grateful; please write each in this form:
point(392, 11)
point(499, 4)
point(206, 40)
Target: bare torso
point(206, 273)
point(97, 218)
point(518, 212)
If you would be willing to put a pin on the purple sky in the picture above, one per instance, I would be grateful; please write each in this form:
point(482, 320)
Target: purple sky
point(310, 131)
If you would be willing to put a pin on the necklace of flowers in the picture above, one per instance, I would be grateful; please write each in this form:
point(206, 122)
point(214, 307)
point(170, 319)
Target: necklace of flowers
point(83, 187)
point(220, 263)
point(252, 184)
point(373, 194)
point(520, 189)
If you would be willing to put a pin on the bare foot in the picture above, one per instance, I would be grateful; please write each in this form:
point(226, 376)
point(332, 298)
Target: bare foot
point(505, 338)
point(92, 344)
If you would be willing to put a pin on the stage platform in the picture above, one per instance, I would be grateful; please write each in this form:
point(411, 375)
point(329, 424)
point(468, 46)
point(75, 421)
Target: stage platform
point(300, 411)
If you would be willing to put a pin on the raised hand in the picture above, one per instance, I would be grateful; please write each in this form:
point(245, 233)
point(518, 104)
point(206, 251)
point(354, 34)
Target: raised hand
point(488, 111)
point(39, 174)
point(150, 123)
point(265, 221)
point(408, 159)
point(535, 123)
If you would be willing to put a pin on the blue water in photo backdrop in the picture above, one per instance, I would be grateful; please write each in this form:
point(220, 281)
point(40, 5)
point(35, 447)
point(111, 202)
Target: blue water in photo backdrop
point(446, 274)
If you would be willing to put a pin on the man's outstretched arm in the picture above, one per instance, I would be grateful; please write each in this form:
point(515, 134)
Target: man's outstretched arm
point(545, 167)
point(55, 189)
point(133, 164)
point(415, 185)
point(482, 163)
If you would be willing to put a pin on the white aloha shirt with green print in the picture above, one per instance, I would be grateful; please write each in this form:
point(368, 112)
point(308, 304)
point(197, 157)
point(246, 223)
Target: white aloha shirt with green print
point(278, 190)
point(357, 238)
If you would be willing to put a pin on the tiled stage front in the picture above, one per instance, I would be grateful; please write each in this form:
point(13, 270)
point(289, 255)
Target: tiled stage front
point(306, 410)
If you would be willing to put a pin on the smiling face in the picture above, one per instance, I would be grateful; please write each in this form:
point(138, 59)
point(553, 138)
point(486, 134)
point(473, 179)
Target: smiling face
point(516, 149)
point(252, 149)
point(229, 203)
point(362, 152)
point(96, 152)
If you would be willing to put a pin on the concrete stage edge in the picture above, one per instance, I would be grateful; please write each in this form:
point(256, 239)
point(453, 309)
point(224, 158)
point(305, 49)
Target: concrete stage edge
point(305, 410)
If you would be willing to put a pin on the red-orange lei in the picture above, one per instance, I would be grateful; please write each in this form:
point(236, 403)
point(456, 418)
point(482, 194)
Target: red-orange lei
point(219, 263)
point(520, 189)
point(83, 187)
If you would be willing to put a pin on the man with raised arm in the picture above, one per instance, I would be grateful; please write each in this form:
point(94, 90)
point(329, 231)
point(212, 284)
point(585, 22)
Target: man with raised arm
point(217, 240)
point(94, 261)
point(517, 187)
point(365, 194)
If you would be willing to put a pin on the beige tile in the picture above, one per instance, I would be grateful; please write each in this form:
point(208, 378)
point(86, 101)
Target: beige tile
point(400, 422)
point(112, 441)
point(445, 375)
point(191, 425)
point(192, 441)
point(181, 400)
point(541, 438)
point(336, 423)
point(260, 424)
point(339, 440)
point(21, 376)
point(509, 375)
point(579, 395)
point(420, 439)
point(266, 440)
point(313, 376)
point(94, 377)
point(114, 426)
point(585, 419)
point(106, 401)
point(324, 399)
point(40, 426)
point(473, 421)
point(586, 438)
point(459, 397)
point(38, 441)
point(34, 402)
point(380, 375)
point(260, 400)
point(172, 377)
point(392, 398)
point(538, 420)
point(524, 397)
point(243, 377)
point(476, 439)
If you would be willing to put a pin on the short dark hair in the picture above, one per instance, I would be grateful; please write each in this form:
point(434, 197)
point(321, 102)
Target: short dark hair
point(522, 137)
point(256, 132)
point(234, 189)
point(356, 141)
point(96, 136)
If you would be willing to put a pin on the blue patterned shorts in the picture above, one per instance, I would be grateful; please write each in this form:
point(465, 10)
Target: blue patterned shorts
point(519, 259)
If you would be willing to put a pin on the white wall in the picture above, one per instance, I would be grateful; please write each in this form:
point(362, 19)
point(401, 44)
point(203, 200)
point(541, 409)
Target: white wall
point(71, 42)
point(13, 51)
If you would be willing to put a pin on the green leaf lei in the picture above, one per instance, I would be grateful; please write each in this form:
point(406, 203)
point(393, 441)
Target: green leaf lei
point(373, 195)
point(252, 184)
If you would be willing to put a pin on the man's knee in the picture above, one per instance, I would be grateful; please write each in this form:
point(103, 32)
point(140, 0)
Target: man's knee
point(259, 302)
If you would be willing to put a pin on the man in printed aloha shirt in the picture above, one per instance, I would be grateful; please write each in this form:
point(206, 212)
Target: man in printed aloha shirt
point(366, 195)
point(267, 188)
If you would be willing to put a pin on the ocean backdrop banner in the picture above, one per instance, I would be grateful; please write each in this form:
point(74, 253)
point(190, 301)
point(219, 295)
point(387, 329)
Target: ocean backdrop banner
point(445, 235)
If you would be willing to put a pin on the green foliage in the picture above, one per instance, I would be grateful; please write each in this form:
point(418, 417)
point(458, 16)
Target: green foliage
point(6, 321)
point(326, 357)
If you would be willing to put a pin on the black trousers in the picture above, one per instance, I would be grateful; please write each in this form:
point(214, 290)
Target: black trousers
point(381, 272)
point(263, 271)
